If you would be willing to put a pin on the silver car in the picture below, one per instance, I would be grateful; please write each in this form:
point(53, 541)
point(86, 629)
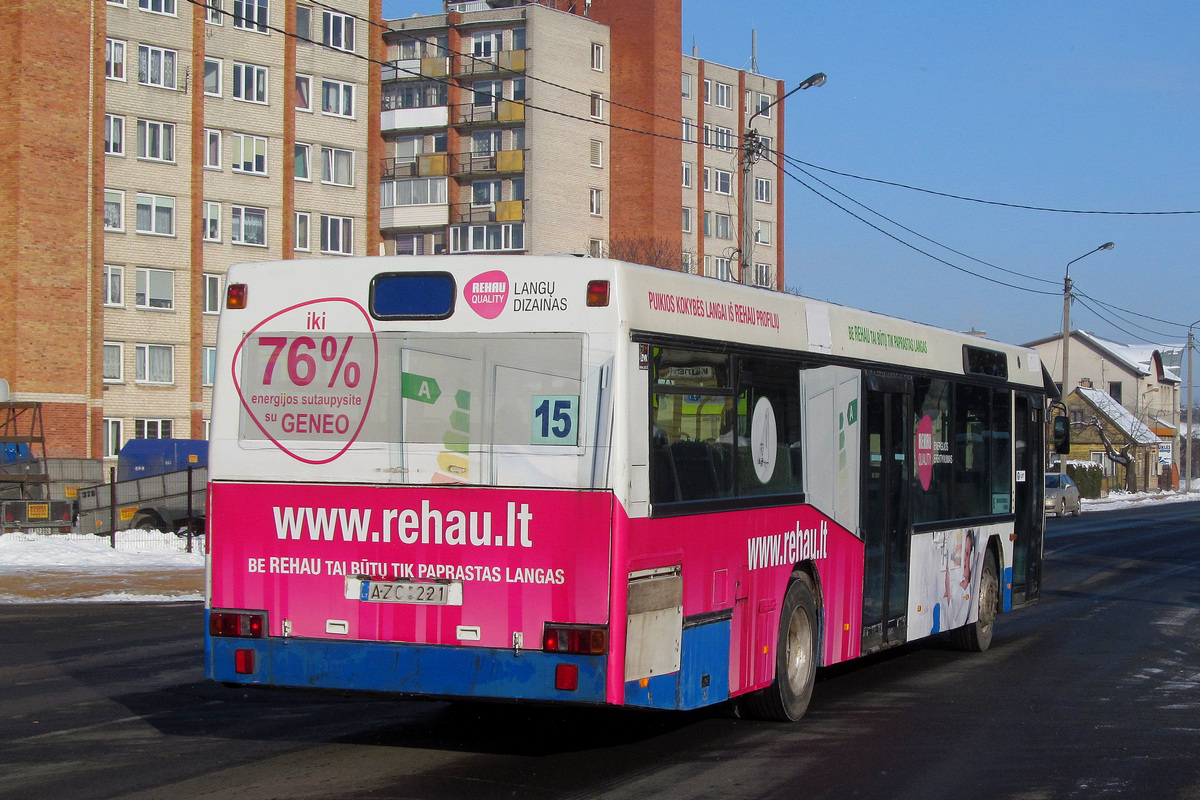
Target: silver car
point(1062, 495)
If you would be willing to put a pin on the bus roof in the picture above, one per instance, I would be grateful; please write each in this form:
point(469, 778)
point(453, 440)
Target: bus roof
point(549, 293)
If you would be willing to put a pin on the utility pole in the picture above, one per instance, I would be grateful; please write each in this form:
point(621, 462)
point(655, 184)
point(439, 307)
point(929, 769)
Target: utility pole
point(1066, 335)
point(753, 148)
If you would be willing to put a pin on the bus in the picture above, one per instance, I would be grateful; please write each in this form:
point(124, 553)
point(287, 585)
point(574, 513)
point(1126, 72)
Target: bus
point(564, 479)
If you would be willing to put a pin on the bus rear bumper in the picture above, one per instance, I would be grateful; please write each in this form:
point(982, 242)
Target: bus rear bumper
point(430, 670)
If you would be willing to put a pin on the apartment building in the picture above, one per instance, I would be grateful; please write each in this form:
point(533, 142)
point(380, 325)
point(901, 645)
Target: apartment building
point(154, 144)
point(542, 127)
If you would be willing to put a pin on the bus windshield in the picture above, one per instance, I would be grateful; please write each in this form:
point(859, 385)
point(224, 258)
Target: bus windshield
point(483, 410)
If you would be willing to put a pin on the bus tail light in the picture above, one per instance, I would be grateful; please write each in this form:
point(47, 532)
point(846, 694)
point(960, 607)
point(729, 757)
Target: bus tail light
point(236, 624)
point(243, 662)
point(566, 677)
point(235, 295)
point(597, 295)
point(580, 640)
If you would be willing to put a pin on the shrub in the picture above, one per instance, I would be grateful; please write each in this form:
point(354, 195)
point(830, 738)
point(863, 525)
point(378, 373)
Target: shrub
point(1087, 476)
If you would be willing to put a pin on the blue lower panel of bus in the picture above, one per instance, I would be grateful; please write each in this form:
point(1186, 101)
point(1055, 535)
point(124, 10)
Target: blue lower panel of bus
point(406, 668)
point(703, 677)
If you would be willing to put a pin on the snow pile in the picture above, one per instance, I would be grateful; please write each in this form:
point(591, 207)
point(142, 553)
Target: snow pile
point(1119, 500)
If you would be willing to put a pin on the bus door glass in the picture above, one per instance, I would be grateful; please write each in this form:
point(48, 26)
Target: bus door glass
point(886, 514)
point(1027, 436)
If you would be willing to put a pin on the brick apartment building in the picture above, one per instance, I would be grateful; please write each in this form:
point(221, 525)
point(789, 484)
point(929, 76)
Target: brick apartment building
point(150, 144)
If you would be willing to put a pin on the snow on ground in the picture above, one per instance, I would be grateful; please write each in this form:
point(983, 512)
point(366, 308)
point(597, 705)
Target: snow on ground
point(145, 566)
point(148, 566)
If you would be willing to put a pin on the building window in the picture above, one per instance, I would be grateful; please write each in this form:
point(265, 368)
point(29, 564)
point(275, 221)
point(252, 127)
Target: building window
point(762, 231)
point(485, 143)
point(597, 105)
point(212, 12)
point(250, 15)
point(114, 356)
point(337, 235)
point(687, 263)
point(596, 248)
point(156, 214)
point(212, 149)
point(304, 23)
point(249, 83)
point(487, 238)
point(410, 244)
point(249, 226)
point(687, 174)
point(156, 140)
point(114, 286)
point(208, 366)
point(764, 275)
point(338, 31)
point(722, 182)
point(337, 166)
point(718, 137)
point(152, 428)
point(303, 162)
point(597, 57)
point(337, 98)
point(154, 289)
point(112, 436)
point(114, 59)
point(485, 94)
point(597, 154)
point(212, 77)
point(1114, 390)
point(762, 190)
point(595, 202)
point(689, 131)
point(114, 135)
point(518, 89)
point(722, 269)
point(718, 94)
point(302, 220)
point(484, 194)
point(158, 6)
point(249, 154)
point(212, 293)
point(764, 105)
point(212, 221)
point(155, 364)
point(156, 66)
point(687, 85)
point(717, 225)
point(687, 220)
point(304, 93)
point(413, 192)
point(114, 210)
point(485, 45)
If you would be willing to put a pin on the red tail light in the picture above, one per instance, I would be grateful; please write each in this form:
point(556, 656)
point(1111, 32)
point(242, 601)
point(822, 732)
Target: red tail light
point(235, 295)
point(575, 639)
point(566, 677)
point(236, 624)
point(597, 295)
point(243, 662)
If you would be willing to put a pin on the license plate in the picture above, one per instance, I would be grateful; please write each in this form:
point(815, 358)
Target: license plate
point(441, 593)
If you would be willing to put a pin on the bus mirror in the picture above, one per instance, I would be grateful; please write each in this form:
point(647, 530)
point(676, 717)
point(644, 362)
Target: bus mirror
point(1062, 435)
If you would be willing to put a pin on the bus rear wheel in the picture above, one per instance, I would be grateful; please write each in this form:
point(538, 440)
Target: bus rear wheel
point(787, 698)
point(977, 636)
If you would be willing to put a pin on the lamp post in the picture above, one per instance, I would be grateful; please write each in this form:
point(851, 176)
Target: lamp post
point(1066, 336)
point(751, 152)
point(1190, 345)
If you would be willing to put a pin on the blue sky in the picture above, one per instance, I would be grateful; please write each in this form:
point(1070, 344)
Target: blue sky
point(1090, 106)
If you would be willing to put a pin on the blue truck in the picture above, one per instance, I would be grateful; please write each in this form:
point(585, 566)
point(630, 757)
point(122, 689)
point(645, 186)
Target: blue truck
point(160, 485)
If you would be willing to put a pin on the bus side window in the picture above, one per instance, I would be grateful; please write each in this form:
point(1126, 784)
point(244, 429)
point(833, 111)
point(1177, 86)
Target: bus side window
point(769, 440)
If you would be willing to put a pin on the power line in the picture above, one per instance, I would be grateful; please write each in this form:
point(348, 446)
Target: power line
point(992, 202)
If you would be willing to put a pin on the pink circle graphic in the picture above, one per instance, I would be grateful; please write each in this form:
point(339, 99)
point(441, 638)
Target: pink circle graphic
point(925, 451)
point(487, 293)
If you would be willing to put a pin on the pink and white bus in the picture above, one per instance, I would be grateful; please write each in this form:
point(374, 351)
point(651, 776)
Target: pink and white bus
point(580, 480)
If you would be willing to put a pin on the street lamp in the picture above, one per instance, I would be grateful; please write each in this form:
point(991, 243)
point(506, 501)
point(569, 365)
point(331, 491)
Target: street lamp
point(751, 152)
point(1066, 335)
point(1190, 346)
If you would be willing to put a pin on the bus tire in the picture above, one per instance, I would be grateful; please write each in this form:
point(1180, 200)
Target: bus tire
point(977, 636)
point(796, 655)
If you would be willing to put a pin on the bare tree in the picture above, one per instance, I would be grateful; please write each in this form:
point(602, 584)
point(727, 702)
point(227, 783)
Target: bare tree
point(1122, 456)
point(649, 250)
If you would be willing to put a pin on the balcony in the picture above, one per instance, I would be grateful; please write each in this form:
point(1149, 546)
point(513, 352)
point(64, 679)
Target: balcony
point(436, 67)
point(499, 211)
point(411, 217)
point(503, 111)
point(414, 118)
point(503, 61)
point(503, 161)
point(424, 166)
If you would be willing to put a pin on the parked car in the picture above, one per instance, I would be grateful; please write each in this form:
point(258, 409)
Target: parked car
point(1062, 495)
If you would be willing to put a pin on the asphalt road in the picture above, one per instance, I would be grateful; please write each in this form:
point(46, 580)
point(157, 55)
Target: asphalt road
point(1092, 693)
